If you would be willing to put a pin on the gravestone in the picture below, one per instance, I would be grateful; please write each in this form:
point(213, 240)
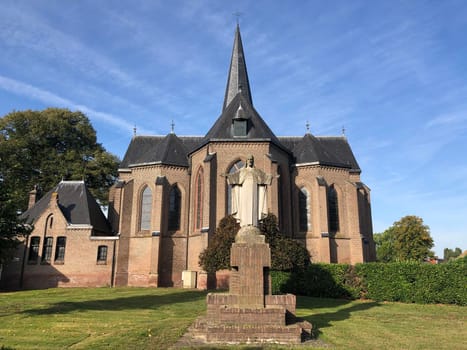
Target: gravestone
point(249, 313)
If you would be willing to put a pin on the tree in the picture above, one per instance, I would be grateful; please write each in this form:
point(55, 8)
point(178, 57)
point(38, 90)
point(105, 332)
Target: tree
point(11, 227)
point(43, 147)
point(450, 254)
point(286, 253)
point(384, 246)
point(406, 240)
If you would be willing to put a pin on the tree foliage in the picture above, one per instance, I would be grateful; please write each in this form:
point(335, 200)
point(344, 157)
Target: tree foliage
point(286, 254)
point(43, 147)
point(406, 240)
point(450, 254)
point(217, 255)
point(11, 227)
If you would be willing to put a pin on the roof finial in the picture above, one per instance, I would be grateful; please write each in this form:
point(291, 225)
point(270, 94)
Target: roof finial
point(238, 15)
point(307, 125)
point(172, 127)
point(343, 131)
point(134, 131)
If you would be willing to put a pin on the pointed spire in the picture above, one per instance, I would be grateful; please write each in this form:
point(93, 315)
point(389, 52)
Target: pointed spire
point(237, 80)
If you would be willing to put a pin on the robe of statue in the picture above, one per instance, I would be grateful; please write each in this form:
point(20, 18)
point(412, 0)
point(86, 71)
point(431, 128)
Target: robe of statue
point(249, 194)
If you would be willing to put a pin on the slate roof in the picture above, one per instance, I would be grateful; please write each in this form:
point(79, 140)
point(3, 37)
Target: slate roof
point(238, 104)
point(237, 80)
point(257, 127)
point(324, 150)
point(77, 205)
point(167, 150)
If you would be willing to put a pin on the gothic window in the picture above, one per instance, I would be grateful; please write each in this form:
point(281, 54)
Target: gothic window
point(333, 208)
point(304, 209)
point(237, 166)
point(174, 208)
point(146, 209)
point(199, 200)
point(34, 250)
point(47, 249)
point(102, 254)
point(60, 249)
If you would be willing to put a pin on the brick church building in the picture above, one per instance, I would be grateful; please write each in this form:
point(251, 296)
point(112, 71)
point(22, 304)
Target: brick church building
point(172, 192)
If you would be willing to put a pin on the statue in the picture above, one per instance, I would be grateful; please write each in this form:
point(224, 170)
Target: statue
point(249, 193)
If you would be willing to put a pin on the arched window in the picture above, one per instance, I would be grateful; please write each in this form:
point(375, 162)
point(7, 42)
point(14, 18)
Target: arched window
point(304, 209)
point(237, 166)
point(333, 208)
point(174, 208)
point(199, 199)
point(146, 209)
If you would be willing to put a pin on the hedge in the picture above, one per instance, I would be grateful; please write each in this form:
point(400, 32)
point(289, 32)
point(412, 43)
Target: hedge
point(403, 281)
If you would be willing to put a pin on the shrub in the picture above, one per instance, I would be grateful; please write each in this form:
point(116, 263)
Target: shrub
point(416, 282)
point(217, 255)
point(409, 282)
point(286, 253)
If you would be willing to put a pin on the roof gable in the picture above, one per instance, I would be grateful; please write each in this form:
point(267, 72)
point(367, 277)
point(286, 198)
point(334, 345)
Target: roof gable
point(77, 205)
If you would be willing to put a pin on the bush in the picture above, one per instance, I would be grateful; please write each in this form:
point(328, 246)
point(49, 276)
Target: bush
point(408, 282)
point(217, 255)
point(286, 253)
point(416, 282)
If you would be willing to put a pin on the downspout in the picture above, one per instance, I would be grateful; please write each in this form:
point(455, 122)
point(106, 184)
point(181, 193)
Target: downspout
point(22, 264)
point(112, 275)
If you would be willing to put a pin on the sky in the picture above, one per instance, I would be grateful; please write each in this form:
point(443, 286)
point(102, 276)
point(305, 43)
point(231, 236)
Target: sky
point(393, 74)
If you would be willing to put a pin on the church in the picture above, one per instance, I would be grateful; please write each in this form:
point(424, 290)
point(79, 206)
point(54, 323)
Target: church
point(173, 190)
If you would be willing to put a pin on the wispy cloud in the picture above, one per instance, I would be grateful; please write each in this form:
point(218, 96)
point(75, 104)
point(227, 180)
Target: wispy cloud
point(49, 98)
point(448, 120)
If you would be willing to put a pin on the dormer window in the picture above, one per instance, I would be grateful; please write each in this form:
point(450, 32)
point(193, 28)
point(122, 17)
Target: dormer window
point(240, 123)
point(240, 127)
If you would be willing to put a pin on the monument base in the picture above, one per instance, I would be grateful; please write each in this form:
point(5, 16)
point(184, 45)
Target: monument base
point(248, 333)
point(225, 322)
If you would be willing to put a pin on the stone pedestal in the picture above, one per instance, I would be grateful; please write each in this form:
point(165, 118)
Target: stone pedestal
point(249, 313)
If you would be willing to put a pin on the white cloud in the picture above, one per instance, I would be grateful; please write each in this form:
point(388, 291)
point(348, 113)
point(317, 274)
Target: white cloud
point(49, 98)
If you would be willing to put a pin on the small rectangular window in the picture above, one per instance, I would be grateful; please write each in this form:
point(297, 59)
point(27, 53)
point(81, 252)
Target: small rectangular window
point(102, 255)
point(47, 249)
point(34, 250)
point(60, 250)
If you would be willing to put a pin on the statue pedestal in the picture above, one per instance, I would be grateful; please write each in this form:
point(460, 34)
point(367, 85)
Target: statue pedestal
point(249, 313)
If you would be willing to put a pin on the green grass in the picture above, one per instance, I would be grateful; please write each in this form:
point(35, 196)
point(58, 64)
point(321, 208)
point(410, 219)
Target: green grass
point(146, 318)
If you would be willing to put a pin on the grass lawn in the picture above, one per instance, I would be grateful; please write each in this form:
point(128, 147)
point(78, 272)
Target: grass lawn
point(146, 318)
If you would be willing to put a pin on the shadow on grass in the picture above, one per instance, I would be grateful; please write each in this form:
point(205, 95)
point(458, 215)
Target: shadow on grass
point(123, 303)
point(326, 319)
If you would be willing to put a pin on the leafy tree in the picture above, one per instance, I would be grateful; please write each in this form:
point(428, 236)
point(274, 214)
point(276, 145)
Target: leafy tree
point(384, 246)
point(450, 254)
point(11, 227)
point(406, 240)
point(286, 254)
point(43, 147)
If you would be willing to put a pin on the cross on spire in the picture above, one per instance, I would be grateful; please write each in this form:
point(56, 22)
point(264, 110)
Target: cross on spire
point(134, 130)
point(307, 125)
point(343, 130)
point(172, 127)
point(238, 14)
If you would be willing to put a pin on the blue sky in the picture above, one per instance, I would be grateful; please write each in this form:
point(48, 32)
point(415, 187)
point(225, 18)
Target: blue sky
point(393, 73)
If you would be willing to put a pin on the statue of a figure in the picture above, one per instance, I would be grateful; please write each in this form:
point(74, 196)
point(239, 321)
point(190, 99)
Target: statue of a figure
point(249, 193)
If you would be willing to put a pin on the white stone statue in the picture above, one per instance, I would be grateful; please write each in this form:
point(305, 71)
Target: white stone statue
point(249, 193)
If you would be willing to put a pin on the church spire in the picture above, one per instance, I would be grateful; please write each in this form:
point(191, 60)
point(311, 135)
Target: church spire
point(237, 80)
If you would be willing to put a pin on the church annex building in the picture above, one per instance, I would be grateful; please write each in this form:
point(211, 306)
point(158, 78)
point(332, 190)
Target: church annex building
point(172, 191)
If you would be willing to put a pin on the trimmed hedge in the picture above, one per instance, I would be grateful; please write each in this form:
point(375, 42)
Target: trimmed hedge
point(405, 282)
